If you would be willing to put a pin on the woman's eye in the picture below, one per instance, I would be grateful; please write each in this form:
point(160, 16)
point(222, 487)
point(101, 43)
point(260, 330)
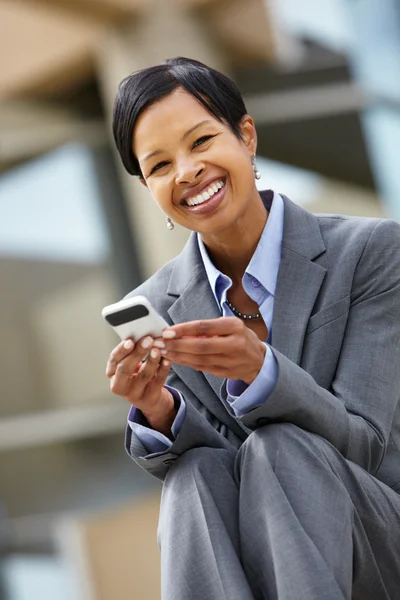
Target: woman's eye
point(158, 166)
point(202, 140)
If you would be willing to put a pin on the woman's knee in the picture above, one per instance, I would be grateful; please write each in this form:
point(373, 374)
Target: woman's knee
point(285, 442)
point(198, 464)
point(274, 435)
point(194, 472)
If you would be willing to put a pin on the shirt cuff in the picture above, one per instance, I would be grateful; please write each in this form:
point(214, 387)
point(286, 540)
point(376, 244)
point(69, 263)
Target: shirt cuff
point(152, 440)
point(243, 398)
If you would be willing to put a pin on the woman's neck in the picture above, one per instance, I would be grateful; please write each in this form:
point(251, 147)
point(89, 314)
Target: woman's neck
point(232, 250)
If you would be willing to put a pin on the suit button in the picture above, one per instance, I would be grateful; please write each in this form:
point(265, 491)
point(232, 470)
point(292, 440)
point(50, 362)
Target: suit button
point(262, 421)
point(169, 461)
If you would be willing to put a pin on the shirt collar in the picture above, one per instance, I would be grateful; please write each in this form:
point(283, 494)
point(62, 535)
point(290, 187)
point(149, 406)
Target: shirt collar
point(269, 245)
point(265, 262)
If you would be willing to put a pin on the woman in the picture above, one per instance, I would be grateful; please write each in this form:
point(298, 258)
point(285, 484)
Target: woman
point(270, 406)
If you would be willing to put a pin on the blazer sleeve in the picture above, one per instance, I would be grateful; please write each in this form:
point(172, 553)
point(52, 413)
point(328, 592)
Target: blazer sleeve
point(356, 414)
point(200, 428)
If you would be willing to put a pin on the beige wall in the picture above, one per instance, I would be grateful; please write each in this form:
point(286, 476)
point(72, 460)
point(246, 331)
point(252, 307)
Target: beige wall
point(114, 555)
point(38, 44)
point(47, 45)
point(340, 198)
point(120, 54)
point(54, 342)
point(76, 342)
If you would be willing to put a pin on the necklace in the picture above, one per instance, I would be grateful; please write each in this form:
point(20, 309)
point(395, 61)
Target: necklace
point(241, 315)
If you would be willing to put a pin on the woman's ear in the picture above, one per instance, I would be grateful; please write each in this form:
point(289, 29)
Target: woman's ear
point(248, 133)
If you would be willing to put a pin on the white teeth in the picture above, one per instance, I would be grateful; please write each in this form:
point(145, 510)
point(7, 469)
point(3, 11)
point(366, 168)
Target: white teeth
point(206, 195)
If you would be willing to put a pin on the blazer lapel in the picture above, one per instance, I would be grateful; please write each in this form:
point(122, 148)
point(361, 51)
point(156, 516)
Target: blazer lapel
point(298, 285)
point(196, 301)
point(299, 280)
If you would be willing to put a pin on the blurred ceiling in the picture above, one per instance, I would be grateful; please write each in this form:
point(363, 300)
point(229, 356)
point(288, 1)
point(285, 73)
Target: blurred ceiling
point(102, 11)
point(306, 108)
point(309, 115)
point(42, 48)
point(50, 45)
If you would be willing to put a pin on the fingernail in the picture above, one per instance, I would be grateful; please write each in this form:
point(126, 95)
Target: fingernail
point(165, 362)
point(158, 344)
point(164, 351)
point(153, 353)
point(128, 345)
point(147, 342)
point(169, 334)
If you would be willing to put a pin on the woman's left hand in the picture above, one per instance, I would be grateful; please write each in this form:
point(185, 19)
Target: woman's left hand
point(224, 347)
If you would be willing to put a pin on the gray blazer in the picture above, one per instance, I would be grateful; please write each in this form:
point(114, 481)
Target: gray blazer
point(335, 335)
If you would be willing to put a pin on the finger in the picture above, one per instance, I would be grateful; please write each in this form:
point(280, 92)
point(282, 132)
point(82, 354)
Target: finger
point(159, 343)
point(160, 376)
point(212, 366)
point(201, 346)
point(127, 367)
point(120, 352)
point(143, 345)
point(133, 374)
point(148, 369)
point(200, 363)
point(221, 326)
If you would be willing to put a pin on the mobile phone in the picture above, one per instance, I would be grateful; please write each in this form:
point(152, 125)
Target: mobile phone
point(134, 318)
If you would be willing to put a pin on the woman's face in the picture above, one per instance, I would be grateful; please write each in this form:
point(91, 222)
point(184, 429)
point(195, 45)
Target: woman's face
point(198, 171)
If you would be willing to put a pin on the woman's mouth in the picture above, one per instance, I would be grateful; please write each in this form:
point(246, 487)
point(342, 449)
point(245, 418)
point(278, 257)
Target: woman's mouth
point(208, 200)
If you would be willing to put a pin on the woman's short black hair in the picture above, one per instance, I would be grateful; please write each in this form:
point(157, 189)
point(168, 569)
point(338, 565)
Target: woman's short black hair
point(215, 91)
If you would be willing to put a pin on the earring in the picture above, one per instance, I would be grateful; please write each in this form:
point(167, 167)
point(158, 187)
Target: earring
point(257, 173)
point(170, 224)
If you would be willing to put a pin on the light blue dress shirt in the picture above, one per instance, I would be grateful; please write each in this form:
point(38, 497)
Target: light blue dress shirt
point(259, 282)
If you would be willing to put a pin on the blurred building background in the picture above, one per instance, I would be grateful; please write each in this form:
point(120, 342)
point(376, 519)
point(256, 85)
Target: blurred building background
point(322, 80)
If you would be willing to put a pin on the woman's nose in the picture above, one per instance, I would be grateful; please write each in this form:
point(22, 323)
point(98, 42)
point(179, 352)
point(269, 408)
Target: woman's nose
point(187, 171)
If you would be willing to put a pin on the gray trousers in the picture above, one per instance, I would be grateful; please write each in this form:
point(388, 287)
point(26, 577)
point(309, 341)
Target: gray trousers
point(286, 517)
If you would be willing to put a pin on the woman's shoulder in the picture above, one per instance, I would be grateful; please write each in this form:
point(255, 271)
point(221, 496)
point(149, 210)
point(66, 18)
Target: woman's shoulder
point(358, 231)
point(368, 246)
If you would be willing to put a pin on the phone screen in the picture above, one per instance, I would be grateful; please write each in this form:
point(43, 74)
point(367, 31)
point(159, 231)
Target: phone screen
point(127, 315)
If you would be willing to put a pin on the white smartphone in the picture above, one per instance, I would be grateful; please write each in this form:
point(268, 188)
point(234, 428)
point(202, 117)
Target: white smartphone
point(134, 318)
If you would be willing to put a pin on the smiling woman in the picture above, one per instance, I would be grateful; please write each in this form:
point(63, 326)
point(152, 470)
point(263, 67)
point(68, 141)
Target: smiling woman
point(182, 159)
point(270, 405)
point(217, 93)
point(181, 162)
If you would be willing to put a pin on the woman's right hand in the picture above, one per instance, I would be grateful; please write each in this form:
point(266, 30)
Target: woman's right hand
point(142, 382)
